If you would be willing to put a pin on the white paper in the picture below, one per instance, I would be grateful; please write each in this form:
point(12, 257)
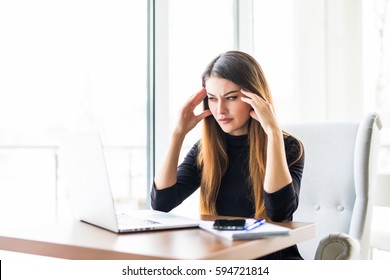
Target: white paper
point(263, 231)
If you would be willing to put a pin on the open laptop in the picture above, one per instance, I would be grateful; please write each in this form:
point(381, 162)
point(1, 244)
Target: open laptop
point(85, 174)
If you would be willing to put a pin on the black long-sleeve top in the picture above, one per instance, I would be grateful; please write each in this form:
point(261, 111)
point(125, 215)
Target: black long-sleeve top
point(235, 194)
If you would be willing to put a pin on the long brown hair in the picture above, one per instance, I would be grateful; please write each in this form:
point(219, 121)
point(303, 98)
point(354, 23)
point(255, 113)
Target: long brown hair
point(243, 70)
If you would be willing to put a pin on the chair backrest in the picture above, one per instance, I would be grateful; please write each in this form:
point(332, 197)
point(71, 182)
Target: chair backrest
point(340, 166)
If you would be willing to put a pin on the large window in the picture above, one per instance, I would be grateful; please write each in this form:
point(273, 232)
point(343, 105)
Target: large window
point(273, 48)
point(193, 43)
point(376, 32)
point(312, 54)
point(196, 32)
point(70, 66)
point(326, 60)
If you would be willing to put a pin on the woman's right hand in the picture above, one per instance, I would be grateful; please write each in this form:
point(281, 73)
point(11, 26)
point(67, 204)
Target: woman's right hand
point(167, 174)
point(187, 118)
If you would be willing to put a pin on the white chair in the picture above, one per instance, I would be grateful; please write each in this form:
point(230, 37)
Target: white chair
point(340, 170)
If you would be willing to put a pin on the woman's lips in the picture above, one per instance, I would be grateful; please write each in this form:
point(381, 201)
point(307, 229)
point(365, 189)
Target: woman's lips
point(225, 120)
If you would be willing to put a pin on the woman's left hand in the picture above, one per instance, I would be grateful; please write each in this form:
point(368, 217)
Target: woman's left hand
point(262, 111)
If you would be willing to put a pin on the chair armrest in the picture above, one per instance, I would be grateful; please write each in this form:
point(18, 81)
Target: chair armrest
point(338, 246)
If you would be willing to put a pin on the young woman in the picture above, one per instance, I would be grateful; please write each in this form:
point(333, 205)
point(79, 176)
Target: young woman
point(244, 163)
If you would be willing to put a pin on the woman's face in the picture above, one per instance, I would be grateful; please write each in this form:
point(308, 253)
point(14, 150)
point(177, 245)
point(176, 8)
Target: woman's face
point(224, 98)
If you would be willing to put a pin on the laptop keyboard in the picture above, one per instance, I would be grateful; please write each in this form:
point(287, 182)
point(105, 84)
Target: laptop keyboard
point(130, 221)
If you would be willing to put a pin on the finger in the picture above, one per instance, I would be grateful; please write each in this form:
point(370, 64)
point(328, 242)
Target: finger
point(253, 95)
point(247, 100)
point(254, 115)
point(203, 115)
point(198, 97)
point(250, 97)
point(247, 93)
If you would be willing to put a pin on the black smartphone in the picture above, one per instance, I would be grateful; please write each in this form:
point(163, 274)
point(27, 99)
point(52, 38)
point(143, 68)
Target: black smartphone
point(223, 224)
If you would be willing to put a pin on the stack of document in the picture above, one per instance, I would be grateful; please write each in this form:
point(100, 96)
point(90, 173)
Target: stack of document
point(263, 231)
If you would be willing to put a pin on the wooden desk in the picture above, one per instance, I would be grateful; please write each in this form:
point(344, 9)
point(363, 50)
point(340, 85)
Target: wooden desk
point(77, 240)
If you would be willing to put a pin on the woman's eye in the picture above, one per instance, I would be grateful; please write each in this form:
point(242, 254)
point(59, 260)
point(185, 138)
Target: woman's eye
point(232, 98)
point(211, 98)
